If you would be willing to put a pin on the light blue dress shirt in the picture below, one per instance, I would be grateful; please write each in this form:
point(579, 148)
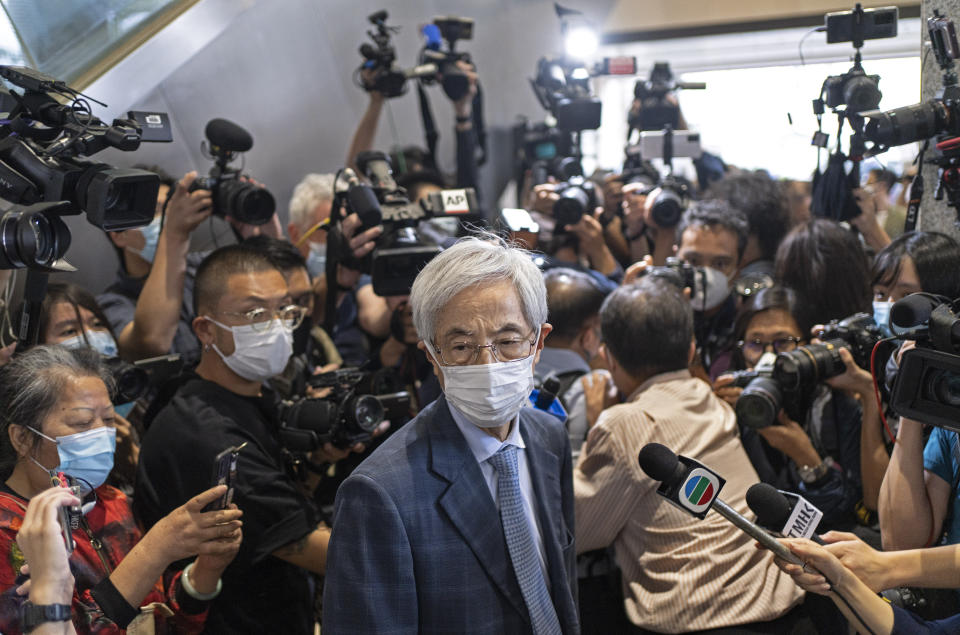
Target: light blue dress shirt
point(483, 447)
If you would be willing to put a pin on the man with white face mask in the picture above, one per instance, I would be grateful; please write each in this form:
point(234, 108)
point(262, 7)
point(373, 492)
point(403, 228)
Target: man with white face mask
point(462, 520)
point(245, 322)
point(713, 235)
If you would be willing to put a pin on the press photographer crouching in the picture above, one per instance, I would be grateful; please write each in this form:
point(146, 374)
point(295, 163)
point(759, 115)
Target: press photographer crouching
point(57, 427)
point(802, 430)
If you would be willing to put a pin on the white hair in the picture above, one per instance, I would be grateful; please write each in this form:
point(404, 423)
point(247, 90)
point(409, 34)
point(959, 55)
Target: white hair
point(310, 192)
point(481, 259)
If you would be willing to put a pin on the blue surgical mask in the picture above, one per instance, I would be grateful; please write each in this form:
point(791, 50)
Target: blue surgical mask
point(151, 236)
point(881, 316)
point(87, 456)
point(100, 341)
point(317, 259)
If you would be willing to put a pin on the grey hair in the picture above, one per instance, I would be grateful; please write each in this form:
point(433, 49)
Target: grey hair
point(309, 192)
point(31, 386)
point(483, 258)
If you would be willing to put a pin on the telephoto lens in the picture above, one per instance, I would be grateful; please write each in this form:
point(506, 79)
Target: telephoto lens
point(667, 208)
point(131, 382)
point(246, 202)
point(809, 365)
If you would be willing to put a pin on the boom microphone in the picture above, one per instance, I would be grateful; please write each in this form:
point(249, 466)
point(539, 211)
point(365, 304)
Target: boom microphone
point(694, 488)
point(914, 310)
point(228, 136)
point(776, 512)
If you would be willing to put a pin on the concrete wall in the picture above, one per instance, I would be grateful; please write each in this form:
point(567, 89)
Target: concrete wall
point(283, 69)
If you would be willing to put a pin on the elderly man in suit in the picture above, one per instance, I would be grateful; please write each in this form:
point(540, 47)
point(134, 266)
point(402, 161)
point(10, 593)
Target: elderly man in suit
point(462, 521)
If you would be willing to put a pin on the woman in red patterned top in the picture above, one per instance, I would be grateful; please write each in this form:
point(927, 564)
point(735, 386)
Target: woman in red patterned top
point(56, 415)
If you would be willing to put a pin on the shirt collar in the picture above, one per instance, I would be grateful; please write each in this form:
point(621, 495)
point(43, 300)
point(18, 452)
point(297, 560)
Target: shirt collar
point(683, 373)
point(482, 444)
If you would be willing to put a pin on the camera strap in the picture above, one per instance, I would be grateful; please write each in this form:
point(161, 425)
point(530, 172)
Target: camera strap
point(429, 125)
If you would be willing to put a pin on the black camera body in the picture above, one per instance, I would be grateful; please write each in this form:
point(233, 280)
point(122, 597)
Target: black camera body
point(233, 195)
point(565, 92)
point(858, 332)
point(578, 196)
point(671, 201)
point(388, 79)
point(450, 29)
point(656, 111)
point(855, 89)
point(401, 251)
point(762, 397)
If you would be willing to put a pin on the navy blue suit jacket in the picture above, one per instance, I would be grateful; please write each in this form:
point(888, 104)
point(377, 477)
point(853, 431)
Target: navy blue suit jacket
point(417, 544)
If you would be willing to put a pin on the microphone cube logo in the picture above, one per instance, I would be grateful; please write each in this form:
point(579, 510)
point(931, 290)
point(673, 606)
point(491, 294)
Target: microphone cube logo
point(699, 490)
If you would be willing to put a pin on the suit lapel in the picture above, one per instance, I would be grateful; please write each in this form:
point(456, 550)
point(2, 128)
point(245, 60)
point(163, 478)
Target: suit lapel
point(468, 504)
point(545, 468)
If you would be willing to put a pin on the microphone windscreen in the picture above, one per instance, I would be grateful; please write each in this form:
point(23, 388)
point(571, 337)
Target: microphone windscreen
point(914, 310)
point(228, 136)
point(771, 507)
point(658, 461)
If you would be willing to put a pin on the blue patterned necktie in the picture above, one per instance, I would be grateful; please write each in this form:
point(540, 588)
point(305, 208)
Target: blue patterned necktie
point(520, 544)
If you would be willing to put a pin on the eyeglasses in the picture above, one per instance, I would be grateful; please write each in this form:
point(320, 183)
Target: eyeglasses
point(756, 348)
point(464, 352)
point(291, 316)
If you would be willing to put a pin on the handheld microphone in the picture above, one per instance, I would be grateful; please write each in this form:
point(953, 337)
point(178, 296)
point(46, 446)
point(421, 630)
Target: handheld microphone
point(790, 514)
point(228, 136)
point(694, 488)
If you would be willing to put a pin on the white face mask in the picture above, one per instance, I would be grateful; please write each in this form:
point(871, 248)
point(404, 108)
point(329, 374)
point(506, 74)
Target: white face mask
point(258, 355)
point(100, 341)
point(488, 395)
point(711, 289)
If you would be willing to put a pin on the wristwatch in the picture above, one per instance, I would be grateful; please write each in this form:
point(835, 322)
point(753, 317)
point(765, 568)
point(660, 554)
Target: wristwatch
point(811, 474)
point(33, 615)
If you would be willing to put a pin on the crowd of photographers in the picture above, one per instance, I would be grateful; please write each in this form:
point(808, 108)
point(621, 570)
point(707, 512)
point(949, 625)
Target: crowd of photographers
point(266, 436)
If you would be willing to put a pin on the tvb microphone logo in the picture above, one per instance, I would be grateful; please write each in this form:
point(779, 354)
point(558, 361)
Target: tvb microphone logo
point(699, 490)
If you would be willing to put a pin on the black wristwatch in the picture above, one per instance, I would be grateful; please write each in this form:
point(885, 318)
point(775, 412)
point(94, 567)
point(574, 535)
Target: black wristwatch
point(33, 615)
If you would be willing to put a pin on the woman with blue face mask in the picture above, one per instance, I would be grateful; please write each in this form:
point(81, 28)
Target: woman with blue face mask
point(57, 424)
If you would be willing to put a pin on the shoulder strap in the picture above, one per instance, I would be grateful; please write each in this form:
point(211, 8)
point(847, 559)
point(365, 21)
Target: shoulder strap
point(16, 501)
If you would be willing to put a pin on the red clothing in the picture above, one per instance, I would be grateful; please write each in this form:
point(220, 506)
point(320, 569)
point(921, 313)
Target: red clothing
point(111, 522)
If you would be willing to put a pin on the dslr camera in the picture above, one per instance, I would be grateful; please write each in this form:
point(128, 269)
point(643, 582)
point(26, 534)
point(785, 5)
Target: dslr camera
point(656, 111)
point(233, 195)
point(565, 92)
point(401, 251)
point(450, 29)
point(44, 173)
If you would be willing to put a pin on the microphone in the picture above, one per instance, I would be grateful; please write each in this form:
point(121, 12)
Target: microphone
point(913, 311)
point(790, 514)
point(228, 136)
point(694, 488)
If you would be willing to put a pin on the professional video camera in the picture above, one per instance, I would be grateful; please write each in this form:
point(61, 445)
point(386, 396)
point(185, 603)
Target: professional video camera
point(344, 417)
point(787, 380)
point(927, 387)
point(454, 81)
point(44, 176)
point(233, 195)
point(389, 79)
point(564, 91)
point(848, 95)
point(401, 251)
point(656, 110)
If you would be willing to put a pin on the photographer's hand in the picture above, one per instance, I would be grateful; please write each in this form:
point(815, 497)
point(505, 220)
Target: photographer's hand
point(463, 107)
point(722, 388)
point(186, 210)
point(590, 232)
point(636, 270)
point(789, 438)
point(599, 393)
point(867, 221)
point(853, 379)
point(359, 244)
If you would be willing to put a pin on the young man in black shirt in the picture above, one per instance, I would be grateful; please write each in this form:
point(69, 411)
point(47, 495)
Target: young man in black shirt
point(244, 322)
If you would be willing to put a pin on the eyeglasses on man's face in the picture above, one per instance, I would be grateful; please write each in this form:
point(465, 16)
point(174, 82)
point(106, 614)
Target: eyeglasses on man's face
point(462, 351)
point(291, 316)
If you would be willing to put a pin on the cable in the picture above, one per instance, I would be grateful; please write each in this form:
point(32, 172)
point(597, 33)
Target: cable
point(805, 36)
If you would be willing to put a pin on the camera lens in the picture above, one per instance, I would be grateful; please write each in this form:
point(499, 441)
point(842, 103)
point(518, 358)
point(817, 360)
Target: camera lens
point(945, 386)
point(32, 239)
point(809, 365)
point(246, 202)
point(759, 403)
point(117, 198)
point(363, 413)
point(570, 207)
point(131, 382)
point(667, 209)
point(861, 93)
point(908, 124)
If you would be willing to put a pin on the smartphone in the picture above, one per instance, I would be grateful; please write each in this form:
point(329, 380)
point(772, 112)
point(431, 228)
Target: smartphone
point(225, 473)
point(68, 515)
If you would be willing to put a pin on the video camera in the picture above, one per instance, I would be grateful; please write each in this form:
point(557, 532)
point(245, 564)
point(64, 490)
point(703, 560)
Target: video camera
point(788, 379)
point(233, 195)
point(450, 29)
point(343, 418)
point(564, 91)
point(655, 110)
point(44, 175)
point(401, 251)
point(927, 387)
point(389, 79)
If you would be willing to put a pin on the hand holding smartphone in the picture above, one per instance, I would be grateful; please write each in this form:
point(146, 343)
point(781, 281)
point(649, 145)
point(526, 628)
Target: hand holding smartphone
point(225, 473)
